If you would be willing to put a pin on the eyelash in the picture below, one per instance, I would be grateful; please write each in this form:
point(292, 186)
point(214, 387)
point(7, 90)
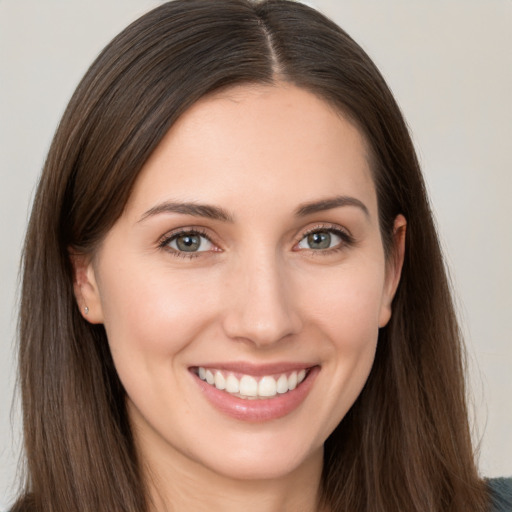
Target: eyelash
point(168, 238)
point(347, 240)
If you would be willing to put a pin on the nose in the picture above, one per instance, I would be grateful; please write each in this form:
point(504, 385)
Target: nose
point(260, 306)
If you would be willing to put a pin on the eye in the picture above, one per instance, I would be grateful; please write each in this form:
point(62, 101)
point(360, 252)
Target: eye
point(189, 242)
point(323, 239)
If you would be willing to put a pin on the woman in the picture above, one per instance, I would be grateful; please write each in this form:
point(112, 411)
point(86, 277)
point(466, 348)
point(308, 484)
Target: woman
point(233, 293)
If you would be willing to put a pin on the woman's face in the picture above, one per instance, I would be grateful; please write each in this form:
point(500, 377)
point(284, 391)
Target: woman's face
point(244, 285)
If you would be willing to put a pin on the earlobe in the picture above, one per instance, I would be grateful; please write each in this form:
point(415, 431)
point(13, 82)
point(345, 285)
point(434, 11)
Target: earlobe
point(86, 289)
point(394, 269)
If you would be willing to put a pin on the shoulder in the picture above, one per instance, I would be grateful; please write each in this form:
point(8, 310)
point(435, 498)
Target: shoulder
point(501, 494)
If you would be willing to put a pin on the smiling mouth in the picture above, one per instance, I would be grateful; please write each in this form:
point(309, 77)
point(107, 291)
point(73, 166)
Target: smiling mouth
point(251, 387)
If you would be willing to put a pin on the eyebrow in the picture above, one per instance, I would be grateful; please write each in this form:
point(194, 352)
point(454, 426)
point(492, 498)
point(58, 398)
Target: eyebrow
point(328, 204)
point(194, 209)
point(217, 213)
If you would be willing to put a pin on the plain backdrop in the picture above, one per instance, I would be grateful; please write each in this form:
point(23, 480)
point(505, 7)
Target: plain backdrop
point(449, 64)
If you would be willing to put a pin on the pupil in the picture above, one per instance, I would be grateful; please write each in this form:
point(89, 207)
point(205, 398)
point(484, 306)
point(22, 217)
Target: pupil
point(319, 240)
point(188, 243)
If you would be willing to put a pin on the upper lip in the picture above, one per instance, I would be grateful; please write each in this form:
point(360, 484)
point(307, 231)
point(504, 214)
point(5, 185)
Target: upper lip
point(257, 370)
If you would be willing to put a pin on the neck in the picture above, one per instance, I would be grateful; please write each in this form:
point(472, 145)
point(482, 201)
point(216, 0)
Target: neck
point(179, 484)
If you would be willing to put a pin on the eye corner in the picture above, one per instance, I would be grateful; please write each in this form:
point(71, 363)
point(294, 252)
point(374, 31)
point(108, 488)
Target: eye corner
point(329, 238)
point(188, 242)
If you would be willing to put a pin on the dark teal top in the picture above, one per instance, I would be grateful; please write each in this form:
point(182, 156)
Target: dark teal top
point(501, 494)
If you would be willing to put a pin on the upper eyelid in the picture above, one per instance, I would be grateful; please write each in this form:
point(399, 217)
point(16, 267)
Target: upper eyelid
point(325, 226)
point(170, 235)
point(181, 231)
point(347, 239)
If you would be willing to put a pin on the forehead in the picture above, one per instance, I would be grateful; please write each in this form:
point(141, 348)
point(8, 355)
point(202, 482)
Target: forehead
point(263, 143)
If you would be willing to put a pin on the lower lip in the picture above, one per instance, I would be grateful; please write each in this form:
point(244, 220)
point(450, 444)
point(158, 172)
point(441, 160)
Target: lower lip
point(258, 410)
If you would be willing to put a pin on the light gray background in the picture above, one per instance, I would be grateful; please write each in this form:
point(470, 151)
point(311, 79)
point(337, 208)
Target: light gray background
point(449, 64)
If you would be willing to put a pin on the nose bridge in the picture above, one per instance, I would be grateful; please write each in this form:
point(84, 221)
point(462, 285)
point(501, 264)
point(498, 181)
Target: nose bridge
point(261, 307)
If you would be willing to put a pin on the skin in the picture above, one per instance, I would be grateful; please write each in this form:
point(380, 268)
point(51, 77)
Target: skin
point(257, 293)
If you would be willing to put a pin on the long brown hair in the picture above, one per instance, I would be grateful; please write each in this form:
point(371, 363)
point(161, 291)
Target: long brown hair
point(405, 444)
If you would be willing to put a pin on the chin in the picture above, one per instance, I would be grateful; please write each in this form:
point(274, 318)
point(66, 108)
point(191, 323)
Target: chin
point(263, 459)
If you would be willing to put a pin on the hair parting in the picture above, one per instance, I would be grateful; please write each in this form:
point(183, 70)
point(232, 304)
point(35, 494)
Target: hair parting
point(405, 444)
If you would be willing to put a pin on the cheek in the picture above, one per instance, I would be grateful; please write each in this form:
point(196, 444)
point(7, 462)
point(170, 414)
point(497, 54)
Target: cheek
point(347, 302)
point(152, 314)
point(346, 313)
point(151, 318)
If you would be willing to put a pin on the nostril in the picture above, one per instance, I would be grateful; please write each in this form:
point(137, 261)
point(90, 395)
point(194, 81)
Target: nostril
point(261, 309)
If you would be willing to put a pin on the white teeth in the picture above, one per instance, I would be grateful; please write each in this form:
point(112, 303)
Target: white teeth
point(292, 381)
point(267, 386)
point(220, 381)
point(232, 384)
point(249, 387)
point(282, 384)
point(209, 377)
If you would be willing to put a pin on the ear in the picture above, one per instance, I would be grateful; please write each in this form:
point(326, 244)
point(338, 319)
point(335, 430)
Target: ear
point(86, 288)
point(393, 269)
